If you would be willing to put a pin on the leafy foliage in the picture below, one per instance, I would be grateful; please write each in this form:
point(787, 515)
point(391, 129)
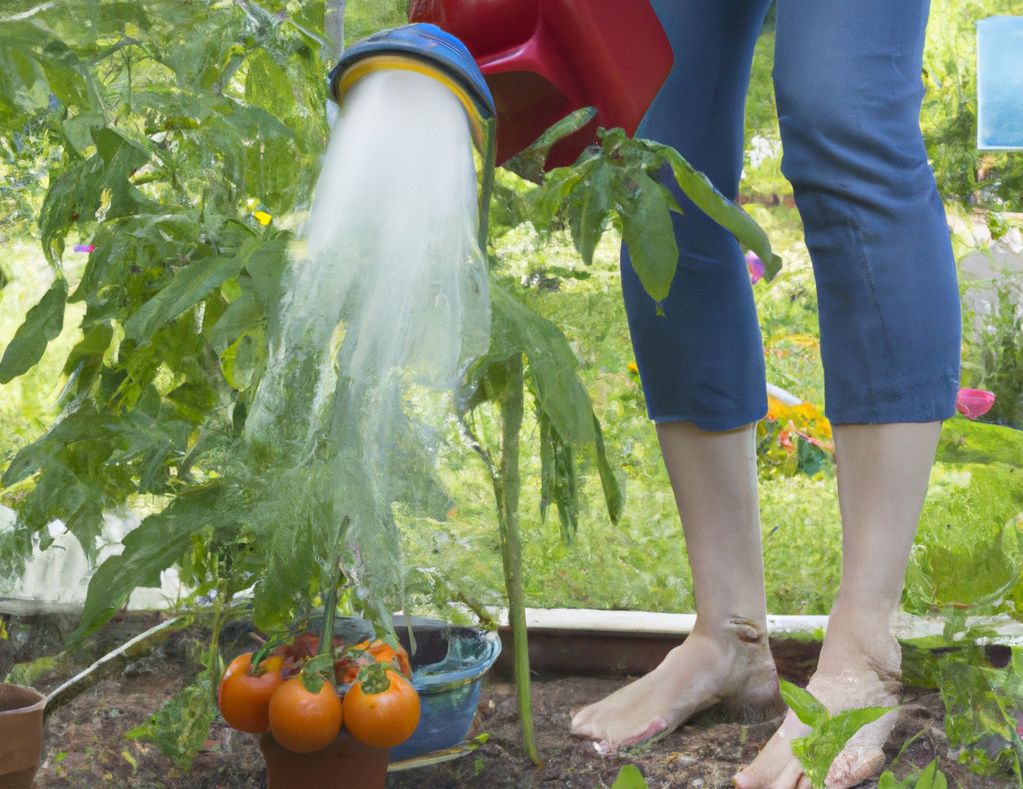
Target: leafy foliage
point(43, 322)
point(968, 552)
point(794, 439)
point(949, 117)
point(622, 179)
point(982, 709)
point(564, 411)
point(928, 778)
point(170, 121)
point(180, 727)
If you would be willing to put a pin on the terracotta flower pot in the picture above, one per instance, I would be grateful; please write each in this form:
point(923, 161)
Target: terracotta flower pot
point(21, 735)
point(345, 764)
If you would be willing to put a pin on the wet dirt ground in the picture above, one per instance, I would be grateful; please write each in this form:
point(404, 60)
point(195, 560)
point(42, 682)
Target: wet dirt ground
point(85, 746)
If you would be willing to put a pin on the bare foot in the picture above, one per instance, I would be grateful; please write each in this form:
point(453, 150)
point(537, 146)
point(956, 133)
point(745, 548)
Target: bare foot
point(867, 680)
point(732, 666)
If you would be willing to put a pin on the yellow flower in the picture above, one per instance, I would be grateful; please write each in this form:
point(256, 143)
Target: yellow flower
point(632, 368)
point(262, 217)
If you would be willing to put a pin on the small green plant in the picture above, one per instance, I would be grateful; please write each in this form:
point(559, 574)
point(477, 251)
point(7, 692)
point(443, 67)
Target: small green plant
point(830, 732)
point(629, 777)
point(928, 778)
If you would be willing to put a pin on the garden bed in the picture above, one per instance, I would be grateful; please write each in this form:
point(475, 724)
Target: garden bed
point(85, 744)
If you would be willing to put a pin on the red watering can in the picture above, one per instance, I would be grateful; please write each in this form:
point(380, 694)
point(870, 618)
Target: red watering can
point(543, 59)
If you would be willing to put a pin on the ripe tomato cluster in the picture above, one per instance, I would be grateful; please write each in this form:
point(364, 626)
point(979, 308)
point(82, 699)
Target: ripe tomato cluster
point(285, 695)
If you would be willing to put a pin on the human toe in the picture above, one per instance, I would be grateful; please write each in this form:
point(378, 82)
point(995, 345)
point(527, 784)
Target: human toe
point(855, 764)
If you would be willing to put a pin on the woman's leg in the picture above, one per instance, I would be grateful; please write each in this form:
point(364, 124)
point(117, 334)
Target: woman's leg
point(882, 480)
point(703, 376)
point(847, 77)
point(726, 657)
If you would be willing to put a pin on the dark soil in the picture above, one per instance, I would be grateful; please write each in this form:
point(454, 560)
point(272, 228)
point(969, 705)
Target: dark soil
point(84, 744)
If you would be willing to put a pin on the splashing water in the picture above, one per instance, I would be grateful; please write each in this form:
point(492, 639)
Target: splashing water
point(386, 304)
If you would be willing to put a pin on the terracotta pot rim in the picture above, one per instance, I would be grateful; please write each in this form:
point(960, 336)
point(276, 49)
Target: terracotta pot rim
point(28, 708)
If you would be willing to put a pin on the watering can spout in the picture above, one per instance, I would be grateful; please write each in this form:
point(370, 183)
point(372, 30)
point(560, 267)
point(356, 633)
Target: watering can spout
point(426, 49)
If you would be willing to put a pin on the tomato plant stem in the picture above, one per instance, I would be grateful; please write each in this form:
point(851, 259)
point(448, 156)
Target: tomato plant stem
point(489, 165)
point(330, 601)
point(221, 608)
point(507, 486)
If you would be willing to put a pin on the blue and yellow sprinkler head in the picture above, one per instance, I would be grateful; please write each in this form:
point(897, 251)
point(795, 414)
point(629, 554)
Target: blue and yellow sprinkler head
point(426, 49)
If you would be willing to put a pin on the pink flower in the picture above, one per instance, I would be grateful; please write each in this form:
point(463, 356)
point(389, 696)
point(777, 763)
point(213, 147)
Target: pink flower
point(973, 403)
point(84, 247)
point(755, 266)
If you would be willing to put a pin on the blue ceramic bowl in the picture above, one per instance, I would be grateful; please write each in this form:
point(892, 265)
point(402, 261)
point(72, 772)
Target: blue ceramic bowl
point(448, 663)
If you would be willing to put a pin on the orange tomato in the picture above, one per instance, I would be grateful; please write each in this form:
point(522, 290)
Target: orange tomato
point(243, 695)
point(381, 712)
point(302, 721)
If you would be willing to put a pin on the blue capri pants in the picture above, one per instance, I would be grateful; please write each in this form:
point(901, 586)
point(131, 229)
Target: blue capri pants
point(847, 79)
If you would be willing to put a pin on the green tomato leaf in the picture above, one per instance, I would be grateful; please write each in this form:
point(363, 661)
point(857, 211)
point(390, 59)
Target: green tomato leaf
point(265, 261)
point(267, 85)
point(803, 703)
point(611, 481)
point(818, 749)
point(243, 314)
point(188, 287)
point(43, 323)
point(932, 778)
point(552, 365)
point(559, 479)
point(725, 212)
point(629, 777)
point(529, 163)
point(980, 715)
point(121, 157)
point(546, 201)
point(589, 206)
point(158, 542)
point(78, 130)
point(648, 231)
point(242, 361)
point(74, 194)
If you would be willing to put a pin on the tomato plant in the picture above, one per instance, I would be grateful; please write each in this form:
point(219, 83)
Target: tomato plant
point(243, 695)
point(304, 720)
point(382, 708)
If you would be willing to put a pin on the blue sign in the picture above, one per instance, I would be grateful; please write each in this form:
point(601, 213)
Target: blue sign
point(1000, 83)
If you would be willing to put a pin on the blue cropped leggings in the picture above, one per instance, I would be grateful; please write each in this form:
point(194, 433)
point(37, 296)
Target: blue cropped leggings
point(847, 79)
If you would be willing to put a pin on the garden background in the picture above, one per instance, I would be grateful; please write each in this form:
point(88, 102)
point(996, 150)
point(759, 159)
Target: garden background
point(234, 89)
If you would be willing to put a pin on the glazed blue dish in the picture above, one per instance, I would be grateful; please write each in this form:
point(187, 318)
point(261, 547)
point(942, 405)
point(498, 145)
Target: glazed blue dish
point(448, 664)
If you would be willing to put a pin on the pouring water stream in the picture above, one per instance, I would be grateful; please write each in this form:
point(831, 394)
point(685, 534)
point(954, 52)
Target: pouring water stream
point(385, 305)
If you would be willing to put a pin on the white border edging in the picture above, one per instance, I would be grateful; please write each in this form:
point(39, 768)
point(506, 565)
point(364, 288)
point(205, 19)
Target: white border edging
point(653, 623)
